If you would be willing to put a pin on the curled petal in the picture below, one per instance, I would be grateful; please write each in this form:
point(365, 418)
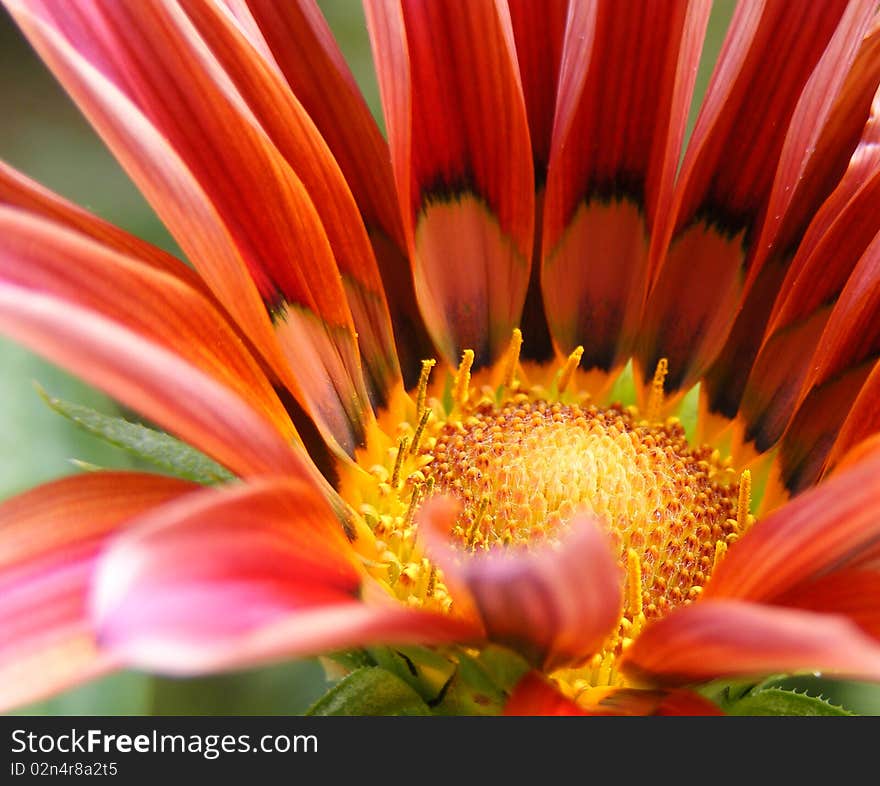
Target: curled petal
point(726, 638)
point(232, 578)
point(555, 602)
point(824, 529)
point(49, 539)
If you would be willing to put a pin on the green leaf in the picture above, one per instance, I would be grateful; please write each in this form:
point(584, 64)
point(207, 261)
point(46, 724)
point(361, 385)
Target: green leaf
point(777, 701)
point(159, 448)
point(370, 691)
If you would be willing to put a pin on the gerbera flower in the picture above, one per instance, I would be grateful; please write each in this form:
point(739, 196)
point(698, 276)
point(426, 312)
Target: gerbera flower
point(414, 352)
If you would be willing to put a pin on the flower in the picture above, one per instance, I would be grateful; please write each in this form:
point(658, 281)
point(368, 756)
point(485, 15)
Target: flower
point(409, 351)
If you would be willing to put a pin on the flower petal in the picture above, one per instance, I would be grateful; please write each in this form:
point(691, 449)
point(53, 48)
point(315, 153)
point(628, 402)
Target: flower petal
point(210, 172)
point(466, 187)
point(554, 603)
point(294, 134)
point(824, 529)
point(18, 190)
point(854, 593)
point(49, 538)
point(725, 182)
point(149, 378)
point(825, 133)
point(534, 695)
point(43, 257)
point(723, 638)
point(302, 45)
point(626, 82)
point(237, 577)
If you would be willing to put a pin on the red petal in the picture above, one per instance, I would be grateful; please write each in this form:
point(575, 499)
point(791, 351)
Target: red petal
point(533, 695)
point(626, 81)
point(853, 593)
point(822, 530)
point(710, 639)
point(42, 257)
point(20, 191)
point(232, 578)
point(555, 603)
point(458, 134)
point(726, 180)
point(297, 138)
point(211, 173)
point(150, 379)
point(862, 419)
point(49, 537)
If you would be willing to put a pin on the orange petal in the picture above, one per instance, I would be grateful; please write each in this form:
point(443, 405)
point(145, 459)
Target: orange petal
point(49, 539)
point(555, 603)
point(302, 45)
point(533, 695)
point(297, 138)
point(824, 529)
point(854, 593)
point(625, 86)
point(43, 257)
point(17, 190)
point(210, 173)
point(862, 420)
point(718, 638)
point(149, 378)
point(466, 188)
point(726, 179)
point(236, 577)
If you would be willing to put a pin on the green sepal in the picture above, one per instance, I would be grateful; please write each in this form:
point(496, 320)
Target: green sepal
point(163, 450)
point(777, 701)
point(370, 691)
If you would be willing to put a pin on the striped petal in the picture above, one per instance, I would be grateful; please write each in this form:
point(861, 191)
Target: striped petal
point(625, 86)
point(862, 419)
point(43, 257)
point(49, 539)
point(233, 578)
point(150, 379)
point(294, 134)
point(726, 180)
point(831, 251)
point(539, 32)
point(459, 141)
point(554, 603)
point(824, 529)
point(853, 593)
point(826, 132)
point(212, 174)
point(724, 638)
point(299, 40)
point(18, 190)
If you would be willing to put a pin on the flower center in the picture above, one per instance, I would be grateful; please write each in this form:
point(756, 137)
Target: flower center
point(523, 461)
point(523, 468)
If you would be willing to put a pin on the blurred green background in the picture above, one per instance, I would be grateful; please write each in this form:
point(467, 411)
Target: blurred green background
point(44, 135)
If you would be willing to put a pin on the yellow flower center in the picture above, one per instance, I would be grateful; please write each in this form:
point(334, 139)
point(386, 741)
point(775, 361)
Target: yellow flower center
point(523, 461)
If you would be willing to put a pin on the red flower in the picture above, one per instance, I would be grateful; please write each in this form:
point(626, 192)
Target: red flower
point(530, 179)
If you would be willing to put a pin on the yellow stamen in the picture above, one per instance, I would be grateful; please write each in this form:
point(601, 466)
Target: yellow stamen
point(461, 386)
point(398, 462)
point(422, 389)
point(634, 582)
point(420, 429)
point(567, 372)
point(512, 359)
point(720, 551)
point(655, 402)
point(743, 518)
